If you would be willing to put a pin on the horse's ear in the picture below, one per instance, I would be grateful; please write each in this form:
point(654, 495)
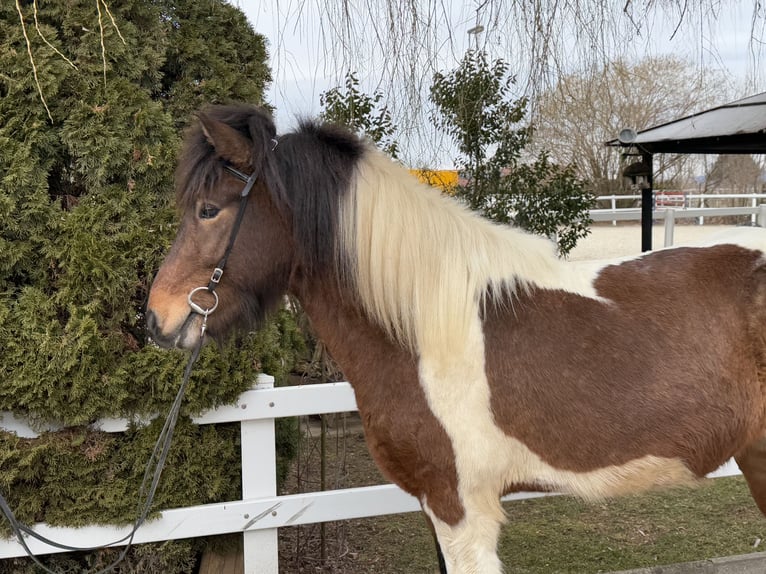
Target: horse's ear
point(229, 144)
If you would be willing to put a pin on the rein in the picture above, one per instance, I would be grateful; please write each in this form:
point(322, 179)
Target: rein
point(146, 492)
point(159, 455)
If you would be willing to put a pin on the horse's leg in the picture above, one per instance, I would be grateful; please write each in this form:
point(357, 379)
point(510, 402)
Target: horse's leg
point(439, 554)
point(470, 546)
point(752, 463)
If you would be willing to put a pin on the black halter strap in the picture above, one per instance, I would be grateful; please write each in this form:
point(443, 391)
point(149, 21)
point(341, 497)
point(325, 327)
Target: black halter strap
point(250, 180)
point(215, 278)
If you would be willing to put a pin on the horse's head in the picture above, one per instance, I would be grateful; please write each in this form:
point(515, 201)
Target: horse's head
point(230, 144)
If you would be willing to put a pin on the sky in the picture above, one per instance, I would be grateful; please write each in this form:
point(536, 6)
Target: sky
point(303, 65)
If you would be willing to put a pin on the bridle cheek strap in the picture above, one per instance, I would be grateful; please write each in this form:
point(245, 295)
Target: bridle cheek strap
point(215, 278)
point(250, 180)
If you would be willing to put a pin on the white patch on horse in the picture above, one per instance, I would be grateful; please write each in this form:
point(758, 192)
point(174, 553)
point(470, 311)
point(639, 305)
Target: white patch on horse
point(464, 551)
point(487, 460)
point(421, 261)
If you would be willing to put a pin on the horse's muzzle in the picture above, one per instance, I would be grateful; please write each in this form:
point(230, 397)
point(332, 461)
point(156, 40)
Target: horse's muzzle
point(152, 325)
point(181, 338)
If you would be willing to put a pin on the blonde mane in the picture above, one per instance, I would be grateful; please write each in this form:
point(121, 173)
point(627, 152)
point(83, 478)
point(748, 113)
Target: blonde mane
point(422, 264)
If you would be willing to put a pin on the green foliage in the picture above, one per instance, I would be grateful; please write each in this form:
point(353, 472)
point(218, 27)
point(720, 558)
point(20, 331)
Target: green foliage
point(213, 56)
point(360, 112)
point(474, 106)
point(177, 557)
point(475, 110)
point(86, 215)
point(545, 199)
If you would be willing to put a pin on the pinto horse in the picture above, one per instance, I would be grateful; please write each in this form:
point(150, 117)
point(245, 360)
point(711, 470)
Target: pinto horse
point(481, 362)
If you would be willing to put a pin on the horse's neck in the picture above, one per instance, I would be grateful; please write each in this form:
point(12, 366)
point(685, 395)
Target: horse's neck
point(355, 343)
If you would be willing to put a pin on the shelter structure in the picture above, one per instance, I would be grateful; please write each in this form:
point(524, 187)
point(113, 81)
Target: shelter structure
point(738, 127)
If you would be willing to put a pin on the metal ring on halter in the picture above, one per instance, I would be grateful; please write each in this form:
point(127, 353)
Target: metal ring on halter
point(196, 308)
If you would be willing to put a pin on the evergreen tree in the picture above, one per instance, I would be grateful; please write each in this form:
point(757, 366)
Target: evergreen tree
point(89, 132)
point(213, 57)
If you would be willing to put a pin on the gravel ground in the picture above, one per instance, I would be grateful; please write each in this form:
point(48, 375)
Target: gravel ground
point(606, 241)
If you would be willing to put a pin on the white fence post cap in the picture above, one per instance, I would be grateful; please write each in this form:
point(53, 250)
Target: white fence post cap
point(264, 381)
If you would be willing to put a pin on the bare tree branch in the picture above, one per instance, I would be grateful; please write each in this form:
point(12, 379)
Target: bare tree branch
point(32, 60)
point(44, 39)
point(396, 46)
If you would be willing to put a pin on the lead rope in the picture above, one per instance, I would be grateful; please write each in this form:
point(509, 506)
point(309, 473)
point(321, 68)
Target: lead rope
point(162, 446)
point(146, 491)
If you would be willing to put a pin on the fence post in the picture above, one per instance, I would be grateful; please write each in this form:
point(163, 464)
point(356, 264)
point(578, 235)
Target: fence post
point(762, 215)
point(670, 225)
point(259, 479)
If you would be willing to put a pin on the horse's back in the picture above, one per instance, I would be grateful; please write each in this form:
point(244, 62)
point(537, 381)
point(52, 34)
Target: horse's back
point(664, 364)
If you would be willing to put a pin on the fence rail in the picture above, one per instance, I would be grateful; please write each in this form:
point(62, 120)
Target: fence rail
point(668, 212)
point(260, 513)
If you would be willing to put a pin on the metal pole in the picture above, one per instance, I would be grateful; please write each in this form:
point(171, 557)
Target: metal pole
point(646, 206)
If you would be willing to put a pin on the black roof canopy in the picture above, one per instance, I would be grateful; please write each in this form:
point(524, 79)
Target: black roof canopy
point(736, 127)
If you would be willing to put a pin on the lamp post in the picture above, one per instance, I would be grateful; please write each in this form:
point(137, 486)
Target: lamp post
point(641, 175)
point(475, 31)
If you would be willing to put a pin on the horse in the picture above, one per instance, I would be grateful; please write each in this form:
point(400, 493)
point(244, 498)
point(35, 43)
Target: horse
point(482, 363)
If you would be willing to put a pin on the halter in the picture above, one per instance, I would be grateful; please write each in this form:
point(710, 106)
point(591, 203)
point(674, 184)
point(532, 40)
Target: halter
point(215, 278)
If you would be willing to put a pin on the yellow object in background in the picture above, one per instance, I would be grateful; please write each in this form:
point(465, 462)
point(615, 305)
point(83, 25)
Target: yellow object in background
point(445, 179)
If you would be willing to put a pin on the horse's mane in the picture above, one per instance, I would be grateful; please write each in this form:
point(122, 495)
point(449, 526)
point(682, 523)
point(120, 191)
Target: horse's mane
point(420, 264)
point(425, 264)
point(317, 165)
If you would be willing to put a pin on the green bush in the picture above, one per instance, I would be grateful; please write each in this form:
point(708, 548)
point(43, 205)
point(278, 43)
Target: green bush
point(475, 107)
point(88, 147)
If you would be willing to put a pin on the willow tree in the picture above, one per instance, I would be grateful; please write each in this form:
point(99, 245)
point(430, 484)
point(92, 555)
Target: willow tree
point(91, 103)
point(408, 40)
point(398, 45)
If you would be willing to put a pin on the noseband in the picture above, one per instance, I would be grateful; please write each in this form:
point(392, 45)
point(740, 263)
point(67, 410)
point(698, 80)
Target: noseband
point(215, 278)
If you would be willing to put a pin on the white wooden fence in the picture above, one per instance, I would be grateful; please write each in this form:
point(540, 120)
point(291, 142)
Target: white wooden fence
point(261, 512)
point(669, 214)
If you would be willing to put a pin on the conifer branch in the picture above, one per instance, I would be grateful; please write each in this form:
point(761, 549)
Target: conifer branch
point(40, 33)
point(32, 60)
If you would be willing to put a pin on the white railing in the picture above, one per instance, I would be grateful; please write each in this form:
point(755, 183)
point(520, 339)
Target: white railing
point(684, 199)
point(669, 213)
point(260, 513)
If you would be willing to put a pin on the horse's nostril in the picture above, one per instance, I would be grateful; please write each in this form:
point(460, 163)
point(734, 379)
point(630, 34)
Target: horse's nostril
point(151, 322)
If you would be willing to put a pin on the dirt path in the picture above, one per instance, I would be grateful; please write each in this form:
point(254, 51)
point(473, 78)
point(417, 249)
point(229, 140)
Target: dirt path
point(607, 241)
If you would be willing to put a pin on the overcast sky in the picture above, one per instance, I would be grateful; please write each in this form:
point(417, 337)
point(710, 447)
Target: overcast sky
point(302, 67)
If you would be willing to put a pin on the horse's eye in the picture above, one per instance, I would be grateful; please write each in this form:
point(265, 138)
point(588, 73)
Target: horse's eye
point(208, 211)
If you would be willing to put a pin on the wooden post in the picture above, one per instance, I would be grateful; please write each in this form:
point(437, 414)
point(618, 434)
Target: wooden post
point(670, 224)
point(762, 215)
point(259, 480)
